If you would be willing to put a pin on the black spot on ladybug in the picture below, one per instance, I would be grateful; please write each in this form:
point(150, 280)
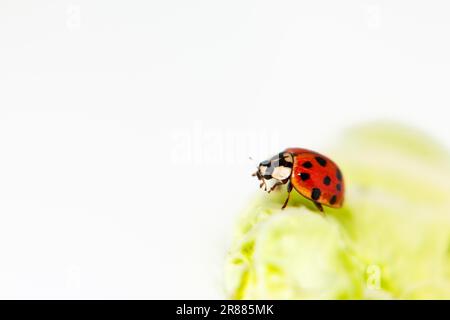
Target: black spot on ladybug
point(304, 176)
point(333, 200)
point(283, 162)
point(338, 187)
point(321, 161)
point(315, 194)
point(326, 181)
point(307, 165)
point(339, 174)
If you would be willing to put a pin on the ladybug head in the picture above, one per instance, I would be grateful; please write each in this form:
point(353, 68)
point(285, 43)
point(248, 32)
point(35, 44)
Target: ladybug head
point(279, 167)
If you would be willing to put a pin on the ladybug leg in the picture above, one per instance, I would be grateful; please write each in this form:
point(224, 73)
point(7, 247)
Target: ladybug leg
point(263, 183)
point(260, 178)
point(278, 183)
point(319, 206)
point(289, 189)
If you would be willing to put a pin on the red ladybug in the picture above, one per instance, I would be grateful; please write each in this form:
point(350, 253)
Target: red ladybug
point(313, 175)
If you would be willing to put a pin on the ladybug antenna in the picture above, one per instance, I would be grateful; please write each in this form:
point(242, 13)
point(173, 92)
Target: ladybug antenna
point(255, 174)
point(251, 159)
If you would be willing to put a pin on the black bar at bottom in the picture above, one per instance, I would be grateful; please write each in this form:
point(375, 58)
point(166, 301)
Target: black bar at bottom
point(219, 309)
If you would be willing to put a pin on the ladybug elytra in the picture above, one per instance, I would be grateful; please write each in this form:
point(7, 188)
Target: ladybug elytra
point(311, 174)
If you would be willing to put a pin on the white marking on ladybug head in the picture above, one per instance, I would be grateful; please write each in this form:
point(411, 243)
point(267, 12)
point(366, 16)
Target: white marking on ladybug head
point(281, 173)
point(279, 167)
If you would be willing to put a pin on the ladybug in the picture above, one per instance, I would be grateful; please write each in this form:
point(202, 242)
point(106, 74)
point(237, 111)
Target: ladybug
point(311, 174)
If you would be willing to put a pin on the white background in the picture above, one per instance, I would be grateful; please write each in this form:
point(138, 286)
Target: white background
point(125, 127)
